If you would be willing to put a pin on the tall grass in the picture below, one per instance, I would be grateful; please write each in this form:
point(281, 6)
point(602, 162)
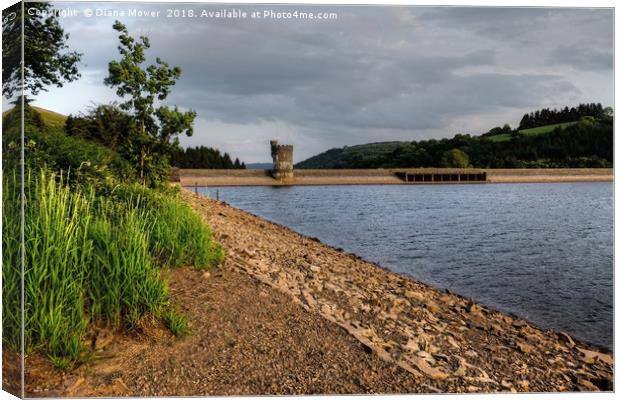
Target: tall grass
point(11, 259)
point(57, 252)
point(122, 280)
point(179, 236)
point(92, 257)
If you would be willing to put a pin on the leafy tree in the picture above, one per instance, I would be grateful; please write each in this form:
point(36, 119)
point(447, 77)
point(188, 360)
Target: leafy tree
point(105, 124)
point(157, 127)
point(46, 58)
point(455, 158)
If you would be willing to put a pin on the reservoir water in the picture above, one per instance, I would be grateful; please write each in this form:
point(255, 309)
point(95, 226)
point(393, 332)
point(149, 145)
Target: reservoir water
point(541, 251)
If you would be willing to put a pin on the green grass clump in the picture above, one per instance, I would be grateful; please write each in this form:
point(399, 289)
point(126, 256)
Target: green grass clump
point(123, 282)
point(57, 251)
point(92, 256)
point(176, 322)
point(178, 236)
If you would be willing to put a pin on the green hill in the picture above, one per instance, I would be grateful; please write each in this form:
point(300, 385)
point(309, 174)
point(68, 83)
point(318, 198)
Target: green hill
point(584, 143)
point(362, 155)
point(51, 119)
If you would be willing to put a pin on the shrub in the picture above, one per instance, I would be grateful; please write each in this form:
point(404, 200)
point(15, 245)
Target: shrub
point(455, 158)
point(87, 162)
point(105, 124)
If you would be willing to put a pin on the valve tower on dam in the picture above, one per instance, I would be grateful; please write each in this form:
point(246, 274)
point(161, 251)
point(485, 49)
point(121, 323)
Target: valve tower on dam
point(282, 161)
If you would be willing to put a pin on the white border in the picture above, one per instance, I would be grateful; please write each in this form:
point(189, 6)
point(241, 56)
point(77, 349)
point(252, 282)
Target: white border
point(488, 3)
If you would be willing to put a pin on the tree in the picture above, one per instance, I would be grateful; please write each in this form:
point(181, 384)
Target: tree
point(455, 158)
point(13, 118)
point(104, 123)
point(157, 127)
point(46, 59)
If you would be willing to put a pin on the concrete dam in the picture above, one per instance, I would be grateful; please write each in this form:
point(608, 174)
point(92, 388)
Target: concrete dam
point(283, 174)
point(412, 176)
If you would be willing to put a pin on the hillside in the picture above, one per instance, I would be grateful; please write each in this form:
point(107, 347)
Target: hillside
point(51, 119)
point(586, 143)
point(364, 154)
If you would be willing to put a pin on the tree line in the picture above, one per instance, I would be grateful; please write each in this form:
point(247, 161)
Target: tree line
point(546, 116)
point(204, 157)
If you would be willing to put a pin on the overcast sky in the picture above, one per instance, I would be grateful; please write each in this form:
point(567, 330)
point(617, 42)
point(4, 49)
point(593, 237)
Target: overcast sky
point(373, 74)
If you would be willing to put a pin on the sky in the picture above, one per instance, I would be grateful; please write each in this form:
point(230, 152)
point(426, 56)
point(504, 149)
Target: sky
point(374, 73)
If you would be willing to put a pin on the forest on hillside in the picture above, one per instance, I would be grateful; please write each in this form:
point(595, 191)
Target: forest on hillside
point(546, 116)
point(586, 142)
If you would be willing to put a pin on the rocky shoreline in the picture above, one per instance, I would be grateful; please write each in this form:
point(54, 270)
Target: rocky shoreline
point(446, 342)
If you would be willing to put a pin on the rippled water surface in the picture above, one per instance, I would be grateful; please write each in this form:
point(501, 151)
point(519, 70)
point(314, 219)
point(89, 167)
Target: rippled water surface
point(541, 251)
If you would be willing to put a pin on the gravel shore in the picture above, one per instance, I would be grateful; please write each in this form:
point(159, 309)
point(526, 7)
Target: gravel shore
point(444, 340)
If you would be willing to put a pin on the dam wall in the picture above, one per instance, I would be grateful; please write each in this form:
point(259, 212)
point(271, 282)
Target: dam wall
point(395, 176)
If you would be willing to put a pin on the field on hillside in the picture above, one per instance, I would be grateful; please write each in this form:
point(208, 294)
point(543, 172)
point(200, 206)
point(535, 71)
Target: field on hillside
point(50, 118)
point(539, 130)
point(545, 129)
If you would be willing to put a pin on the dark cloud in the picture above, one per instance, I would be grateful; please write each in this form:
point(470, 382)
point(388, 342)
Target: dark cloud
point(376, 73)
point(581, 57)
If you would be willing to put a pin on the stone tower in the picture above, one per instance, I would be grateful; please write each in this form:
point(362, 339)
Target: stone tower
point(282, 161)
